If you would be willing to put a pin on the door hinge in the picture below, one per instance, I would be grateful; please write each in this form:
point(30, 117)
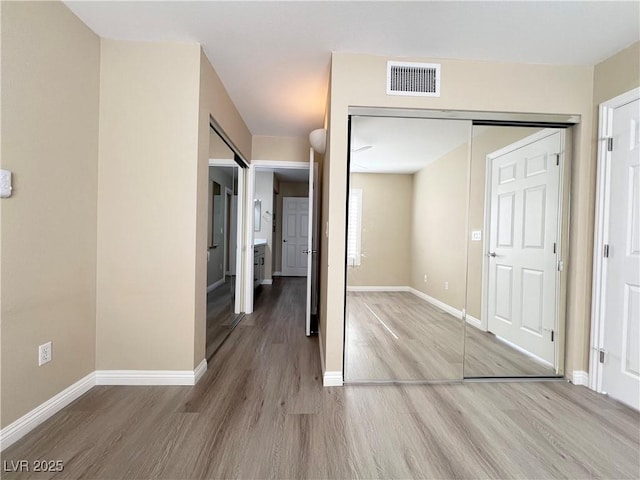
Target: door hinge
point(609, 144)
point(606, 250)
point(557, 159)
point(601, 356)
point(554, 247)
point(560, 266)
point(552, 335)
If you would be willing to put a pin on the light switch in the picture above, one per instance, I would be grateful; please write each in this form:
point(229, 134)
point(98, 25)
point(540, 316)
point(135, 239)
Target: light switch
point(5, 184)
point(476, 235)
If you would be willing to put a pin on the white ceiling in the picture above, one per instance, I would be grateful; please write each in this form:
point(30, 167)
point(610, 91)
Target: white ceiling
point(403, 145)
point(273, 57)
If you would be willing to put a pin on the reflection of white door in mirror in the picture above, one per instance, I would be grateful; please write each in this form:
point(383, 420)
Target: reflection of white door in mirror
point(257, 215)
point(524, 208)
point(295, 225)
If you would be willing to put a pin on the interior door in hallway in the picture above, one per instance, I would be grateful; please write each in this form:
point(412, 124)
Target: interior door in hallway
point(621, 342)
point(295, 236)
point(524, 208)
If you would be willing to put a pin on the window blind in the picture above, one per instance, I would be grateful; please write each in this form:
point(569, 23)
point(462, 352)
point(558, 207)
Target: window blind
point(354, 227)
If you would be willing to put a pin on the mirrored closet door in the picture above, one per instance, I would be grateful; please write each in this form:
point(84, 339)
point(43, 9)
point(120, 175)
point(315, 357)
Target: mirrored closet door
point(406, 249)
point(223, 258)
point(518, 214)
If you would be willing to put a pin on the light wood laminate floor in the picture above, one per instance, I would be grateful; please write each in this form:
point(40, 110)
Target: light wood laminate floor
point(261, 412)
point(401, 337)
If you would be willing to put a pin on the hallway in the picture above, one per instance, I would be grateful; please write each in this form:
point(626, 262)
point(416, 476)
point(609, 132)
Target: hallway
point(260, 411)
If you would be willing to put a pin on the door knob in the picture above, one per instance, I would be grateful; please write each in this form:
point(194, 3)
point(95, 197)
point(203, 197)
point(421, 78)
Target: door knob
point(492, 254)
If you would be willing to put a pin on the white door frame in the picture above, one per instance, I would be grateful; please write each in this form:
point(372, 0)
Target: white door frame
point(213, 162)
point(227, 208)
point(302, 165)
point(562, 233)
point(605, 130)
point(312, 248)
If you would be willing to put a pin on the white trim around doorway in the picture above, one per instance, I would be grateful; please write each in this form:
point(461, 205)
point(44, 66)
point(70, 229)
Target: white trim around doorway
point(251, 184)
point(605, 129)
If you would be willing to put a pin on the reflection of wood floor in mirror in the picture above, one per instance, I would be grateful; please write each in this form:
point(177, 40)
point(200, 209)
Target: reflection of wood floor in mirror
point(399, 336)
point(219, 316)
point(487, 356)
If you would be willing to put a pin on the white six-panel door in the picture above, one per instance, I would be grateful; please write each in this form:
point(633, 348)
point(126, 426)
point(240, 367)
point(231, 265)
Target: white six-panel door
point(621, 289)
point(523, 264)
point(295, 235)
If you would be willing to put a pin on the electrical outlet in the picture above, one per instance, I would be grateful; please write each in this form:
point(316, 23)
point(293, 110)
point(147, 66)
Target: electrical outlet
point(425, 279)
point(44, 353)
point(446, 285)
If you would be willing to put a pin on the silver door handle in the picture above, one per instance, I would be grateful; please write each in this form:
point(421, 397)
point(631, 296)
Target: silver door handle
point(312, 252)
point(492, 254)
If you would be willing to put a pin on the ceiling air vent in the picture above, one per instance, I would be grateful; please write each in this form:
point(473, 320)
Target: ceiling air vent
point(413, 79)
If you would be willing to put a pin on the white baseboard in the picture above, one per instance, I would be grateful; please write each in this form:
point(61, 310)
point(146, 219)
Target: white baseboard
point(215, 285)
point(18, 429)
point(276, 274)
point(266, 281)
point(580, 377)
point(200, 370)
point(332, 379)
point(437, 303)
point(329, 379)
point(146, 377)
point(381, 288)
point(471, 320)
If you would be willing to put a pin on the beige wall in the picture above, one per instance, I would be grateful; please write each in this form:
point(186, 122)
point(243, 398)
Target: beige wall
point(291, 149)
point(147, 205)
point(617, 74)
point(467, 85)
point(386, 230)
point(284, 189)
point(438, 228)
point(218, 150)
point(50, 82)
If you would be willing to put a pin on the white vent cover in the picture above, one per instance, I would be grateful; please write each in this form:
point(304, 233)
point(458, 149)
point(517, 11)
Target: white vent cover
point(413, 79)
